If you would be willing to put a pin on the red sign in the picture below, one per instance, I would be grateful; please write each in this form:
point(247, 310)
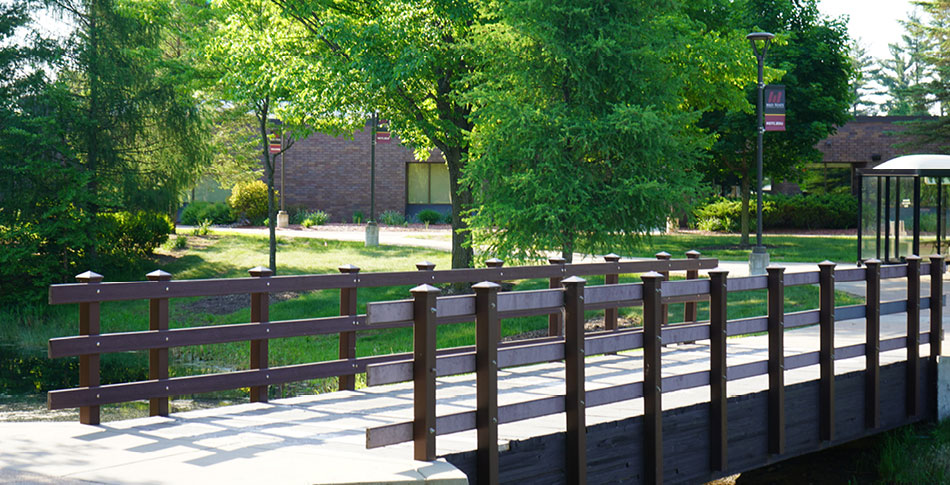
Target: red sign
point(382, 132)
point(774, 107)
point(275, 145)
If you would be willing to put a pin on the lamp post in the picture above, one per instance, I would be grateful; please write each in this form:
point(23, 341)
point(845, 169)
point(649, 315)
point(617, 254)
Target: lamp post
point(759, 258)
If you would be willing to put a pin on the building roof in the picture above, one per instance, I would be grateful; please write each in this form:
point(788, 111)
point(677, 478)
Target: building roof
point(870, 140)
point(913, 165)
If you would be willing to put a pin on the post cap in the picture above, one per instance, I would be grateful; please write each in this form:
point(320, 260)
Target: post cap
point(573, 280)
point(425, 266)
point(158, 275)
point(611, 258)
point(557, 260)
point(89, 277)
point(494, 263)
point(486, 285)
point(872, 261)
point(349, 268)
point(651, 275)
point(827, 263)
point(663, 255)
point(260, 271)
point(912, 257)
point(424, 288)
point(773, 268)
point(693, 254)
point(718, 271)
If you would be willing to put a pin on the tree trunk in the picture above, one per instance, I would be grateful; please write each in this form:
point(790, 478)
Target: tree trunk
point(567, 251)
point(271, 214)
point(262, 114)
point(462, 253)
point(744, 215)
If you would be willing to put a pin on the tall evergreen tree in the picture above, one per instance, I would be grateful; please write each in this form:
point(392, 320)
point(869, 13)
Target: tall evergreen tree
point(585, 112)
point(862, 65)
point(905, 74)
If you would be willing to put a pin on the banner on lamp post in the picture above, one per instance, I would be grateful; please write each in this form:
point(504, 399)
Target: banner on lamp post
point(774, 107)
point(382, 131)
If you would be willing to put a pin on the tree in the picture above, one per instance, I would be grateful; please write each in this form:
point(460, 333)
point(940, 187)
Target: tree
point(811, 57)
point(861, 65)
point(904, 76)
point(585, 135)
point(407, 60)
point(262, 69)
point(128, 106)
point(934, 132)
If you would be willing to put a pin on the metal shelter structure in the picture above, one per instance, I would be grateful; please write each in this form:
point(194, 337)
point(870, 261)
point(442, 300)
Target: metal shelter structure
point(903, 208)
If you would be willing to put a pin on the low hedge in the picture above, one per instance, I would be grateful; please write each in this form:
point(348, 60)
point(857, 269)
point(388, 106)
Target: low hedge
point(826, 211)
point(196, 212)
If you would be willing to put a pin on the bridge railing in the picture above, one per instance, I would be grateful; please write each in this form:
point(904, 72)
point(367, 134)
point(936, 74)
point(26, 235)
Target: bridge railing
point(91, 292)
point(488, 307)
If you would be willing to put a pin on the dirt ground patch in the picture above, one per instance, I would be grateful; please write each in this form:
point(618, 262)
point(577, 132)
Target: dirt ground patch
point(225, 304)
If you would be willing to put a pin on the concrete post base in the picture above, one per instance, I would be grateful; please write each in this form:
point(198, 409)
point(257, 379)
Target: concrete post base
point(372, 235)
point(758, 262)
point(283, 219)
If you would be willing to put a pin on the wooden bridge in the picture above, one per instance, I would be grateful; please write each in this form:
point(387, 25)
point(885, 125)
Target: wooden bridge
point(658, 404)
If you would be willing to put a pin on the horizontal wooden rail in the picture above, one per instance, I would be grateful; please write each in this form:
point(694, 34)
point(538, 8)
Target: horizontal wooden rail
point(610, 342)
point(463, 421)
point(136, 290)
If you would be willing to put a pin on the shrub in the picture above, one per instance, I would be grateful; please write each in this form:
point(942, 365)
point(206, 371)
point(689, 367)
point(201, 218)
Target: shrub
point(181, 242)
point(357, 217)
point(392, 218)
point(315, 218)
point(250, 201)
point(203, 228)
point(124, 236)
point(448, 217)
point(429, 216)
point(217, 213)
point(296, 213)
point(825, 211)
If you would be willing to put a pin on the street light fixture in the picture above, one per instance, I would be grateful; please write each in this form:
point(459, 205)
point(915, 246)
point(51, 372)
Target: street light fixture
point(759, 258)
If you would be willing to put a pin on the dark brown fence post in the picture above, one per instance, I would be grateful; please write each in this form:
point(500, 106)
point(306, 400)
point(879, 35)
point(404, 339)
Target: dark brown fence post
point(936, 319)
point(487, 334)
point(494, 263)
point(423, 371)
point(611, 278)
point(776, 304)
point(652, 379)
point(913, 335)
point(260, 313)
point(689, 309)
point(872, 348)
point(665, 314)
point(158, 358)
point(89, 364)
point(425, 266)
point(556, 320)
point(574, 399)
point(348, 339)
point(826, 352)
point(719, 434)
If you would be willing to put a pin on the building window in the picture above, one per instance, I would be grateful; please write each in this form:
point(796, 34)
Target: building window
point(428, 183)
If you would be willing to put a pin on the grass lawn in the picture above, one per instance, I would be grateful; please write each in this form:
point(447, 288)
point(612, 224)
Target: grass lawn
point(24, 338)
point(797, 249)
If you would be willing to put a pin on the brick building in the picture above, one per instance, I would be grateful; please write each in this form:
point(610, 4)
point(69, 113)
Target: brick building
point(866, 141)
point(333, 174)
